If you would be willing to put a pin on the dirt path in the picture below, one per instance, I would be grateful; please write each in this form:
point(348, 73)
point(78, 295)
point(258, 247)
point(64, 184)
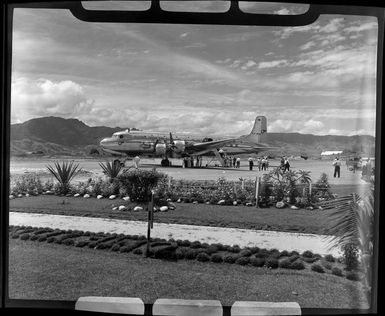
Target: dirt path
point(230, 236)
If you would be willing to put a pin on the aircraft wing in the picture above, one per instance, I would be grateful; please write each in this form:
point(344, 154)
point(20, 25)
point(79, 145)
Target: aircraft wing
point(205, 147)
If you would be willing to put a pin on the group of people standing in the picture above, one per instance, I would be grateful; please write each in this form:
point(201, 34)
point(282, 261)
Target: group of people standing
point(262, 163)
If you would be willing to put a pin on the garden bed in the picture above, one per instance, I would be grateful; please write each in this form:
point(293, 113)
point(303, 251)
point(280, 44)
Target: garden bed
point(174, 250)
point(40, 270)
point(244, 217)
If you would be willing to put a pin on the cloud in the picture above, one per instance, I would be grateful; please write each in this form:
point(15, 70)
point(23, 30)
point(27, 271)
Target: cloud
point(272, 64)
point(34, 98)
point(362, 27)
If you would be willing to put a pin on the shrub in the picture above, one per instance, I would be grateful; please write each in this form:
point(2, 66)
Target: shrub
point(274, 253)
point(297, 265)
point(254, 250)
point(191, 254)
point(24, 236)
point(310, 260)
point(27, 183)
point(317, 268)
point(68, 242)
point(293, 258)
point(353, 276)
point(138, 183)
point(236, 249)
point(271, 262)
point(203, 257)
point(337, 271)
point(307, 254)
point(243, 261)
point(294, 253)
point(329, 258)
point(327, 265)
point(217, 258)
point(115, 247)
point(166, 252)
point(179, 253)
point(81, 243)
point(195, 245)
point(212, 249)
point(230, 258)
point(285, 264)
point(245, 253)
point(350, 256)
point(185, 243)
point(257, 262)
point(138, 251)
point(284, 253)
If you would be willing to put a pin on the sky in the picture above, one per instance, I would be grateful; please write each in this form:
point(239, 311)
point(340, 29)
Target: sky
point(202, 79)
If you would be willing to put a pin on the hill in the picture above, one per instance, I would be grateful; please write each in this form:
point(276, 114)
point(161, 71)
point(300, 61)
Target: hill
point(59, 136)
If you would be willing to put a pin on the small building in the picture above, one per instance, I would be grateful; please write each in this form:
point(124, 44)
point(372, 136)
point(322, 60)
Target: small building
point(329, 154)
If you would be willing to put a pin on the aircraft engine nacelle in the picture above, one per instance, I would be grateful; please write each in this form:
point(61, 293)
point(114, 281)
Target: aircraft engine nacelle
point(179, 146)
point(160, 149)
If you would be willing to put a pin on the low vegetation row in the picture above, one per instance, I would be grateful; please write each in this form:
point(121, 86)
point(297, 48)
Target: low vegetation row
point(277, 188)
point(174, 250)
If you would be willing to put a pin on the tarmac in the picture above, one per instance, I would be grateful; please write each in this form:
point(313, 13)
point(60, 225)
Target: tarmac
point(227, 236)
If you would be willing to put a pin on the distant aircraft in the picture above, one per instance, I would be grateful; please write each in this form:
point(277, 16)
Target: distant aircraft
point(165, 145)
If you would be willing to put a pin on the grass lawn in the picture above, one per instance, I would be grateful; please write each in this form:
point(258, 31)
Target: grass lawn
point(58, 272)
point(245, 217)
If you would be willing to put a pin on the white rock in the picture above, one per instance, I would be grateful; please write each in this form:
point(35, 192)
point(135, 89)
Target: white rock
point(138, 208)
point(168, 200)
point(235, 203)
point(310, 208)
point(249, 204)
point(179, 200)
point(195, 202)
point(221, 202)
point(48, 192)
point(112, 197)
point(164, 208)
point(293, 207)
point(99, 197)
point(27, 195)
point(11, 197)
point(208, 202)
point(280, 204)
point(122, 208)
point(126, 198)
point(86, 196)
point(115, 208)
point(20, 195)
point(76, 195)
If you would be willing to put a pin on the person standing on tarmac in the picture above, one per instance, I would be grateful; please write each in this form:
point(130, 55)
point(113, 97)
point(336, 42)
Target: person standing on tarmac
point(337, 167)
point(238, 162)
point(251, 163)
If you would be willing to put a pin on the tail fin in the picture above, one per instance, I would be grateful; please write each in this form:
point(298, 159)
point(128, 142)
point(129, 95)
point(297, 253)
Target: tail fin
point(258, 133)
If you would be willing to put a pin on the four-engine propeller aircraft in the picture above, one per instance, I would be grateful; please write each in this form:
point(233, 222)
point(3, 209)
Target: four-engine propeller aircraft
point(157, 144)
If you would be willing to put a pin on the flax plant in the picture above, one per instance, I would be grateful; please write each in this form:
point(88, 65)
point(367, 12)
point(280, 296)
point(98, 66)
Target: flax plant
point(64, 173)
point(111, 169)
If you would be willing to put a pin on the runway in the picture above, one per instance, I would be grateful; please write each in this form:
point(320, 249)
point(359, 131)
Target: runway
point(19, 167)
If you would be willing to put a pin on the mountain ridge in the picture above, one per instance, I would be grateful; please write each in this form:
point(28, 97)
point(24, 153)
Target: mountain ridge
point(53, 135)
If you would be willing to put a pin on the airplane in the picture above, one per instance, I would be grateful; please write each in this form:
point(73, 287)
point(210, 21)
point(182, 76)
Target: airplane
point(165, 145)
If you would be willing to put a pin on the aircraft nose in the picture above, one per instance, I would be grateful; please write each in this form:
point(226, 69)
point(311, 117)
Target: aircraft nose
point(103, 141)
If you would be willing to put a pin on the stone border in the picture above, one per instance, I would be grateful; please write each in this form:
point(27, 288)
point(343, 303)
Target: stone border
point(120, 305)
